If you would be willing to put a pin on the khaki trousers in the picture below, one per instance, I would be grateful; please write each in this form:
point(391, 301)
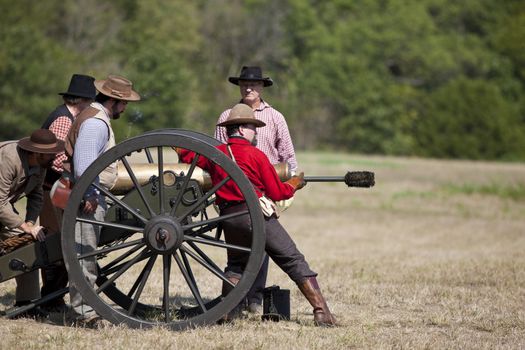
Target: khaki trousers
point(86, 237)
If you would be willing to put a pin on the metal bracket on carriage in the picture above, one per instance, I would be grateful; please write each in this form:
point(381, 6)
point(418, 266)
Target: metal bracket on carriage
point(18, 265)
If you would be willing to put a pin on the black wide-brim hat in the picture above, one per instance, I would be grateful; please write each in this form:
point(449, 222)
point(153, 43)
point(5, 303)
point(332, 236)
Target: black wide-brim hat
point(253, 74)
point(81, 86)
point(42, 141)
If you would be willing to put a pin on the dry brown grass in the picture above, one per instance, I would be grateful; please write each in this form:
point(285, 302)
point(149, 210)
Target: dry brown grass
point(406, 264)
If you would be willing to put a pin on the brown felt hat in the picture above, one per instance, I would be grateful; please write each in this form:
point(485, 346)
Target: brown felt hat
point(42, 141)
point(241, 114)
point(117, 87)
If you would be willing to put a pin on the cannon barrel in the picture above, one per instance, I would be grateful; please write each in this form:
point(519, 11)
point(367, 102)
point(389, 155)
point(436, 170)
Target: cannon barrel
point(144, 172)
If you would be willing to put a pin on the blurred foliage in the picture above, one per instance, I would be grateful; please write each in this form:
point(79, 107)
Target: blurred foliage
point(434, 78)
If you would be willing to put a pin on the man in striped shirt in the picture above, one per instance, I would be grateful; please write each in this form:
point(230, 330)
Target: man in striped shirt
point(273, 140)
point(80, 93)
point(89, 137)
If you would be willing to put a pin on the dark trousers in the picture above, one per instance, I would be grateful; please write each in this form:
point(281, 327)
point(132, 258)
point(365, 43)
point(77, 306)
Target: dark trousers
point(279, 246)
point(54, 278)
point(255, 294)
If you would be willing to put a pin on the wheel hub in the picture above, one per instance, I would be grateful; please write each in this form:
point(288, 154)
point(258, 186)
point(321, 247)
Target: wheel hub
point(163, 234)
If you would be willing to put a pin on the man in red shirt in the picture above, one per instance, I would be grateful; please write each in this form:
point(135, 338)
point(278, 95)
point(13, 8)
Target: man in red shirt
point(241, 128)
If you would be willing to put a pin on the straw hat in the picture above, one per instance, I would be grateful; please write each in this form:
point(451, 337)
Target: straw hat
point(241, 114)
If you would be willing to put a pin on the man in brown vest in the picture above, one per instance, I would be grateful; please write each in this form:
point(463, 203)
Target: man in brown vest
point(90, 136)
point(22, 173)
point(79, 95)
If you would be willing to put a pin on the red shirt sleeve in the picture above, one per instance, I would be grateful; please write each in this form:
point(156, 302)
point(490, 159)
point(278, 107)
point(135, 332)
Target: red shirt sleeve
point(272, 187)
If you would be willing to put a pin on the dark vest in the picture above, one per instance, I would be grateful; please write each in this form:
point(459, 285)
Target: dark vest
point(60, 111)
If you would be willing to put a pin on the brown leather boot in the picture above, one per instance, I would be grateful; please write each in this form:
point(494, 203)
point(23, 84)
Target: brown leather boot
point(312, 292)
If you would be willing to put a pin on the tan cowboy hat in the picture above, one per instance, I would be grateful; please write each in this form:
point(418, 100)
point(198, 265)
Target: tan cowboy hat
point(117, 87)
point(241, 114)
point(42, 141)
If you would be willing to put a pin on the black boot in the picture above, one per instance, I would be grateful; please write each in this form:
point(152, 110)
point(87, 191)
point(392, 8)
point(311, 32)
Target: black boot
point(54, 278)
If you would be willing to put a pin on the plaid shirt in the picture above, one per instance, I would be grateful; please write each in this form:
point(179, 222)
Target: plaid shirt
point(60, 127)
point(273, 139)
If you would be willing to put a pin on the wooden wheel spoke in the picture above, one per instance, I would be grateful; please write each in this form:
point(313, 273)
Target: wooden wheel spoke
point(139, 243)
point(112, 270)
point(184, 186)
point(111, 224)
point(121, 270)
point(215, 243)
point(137, 185)
point(149, 157)
point(203, 255)
point(121, 203)
point(140, 283)
point(161, 190)
point(166, 267)
point(212, 223)
point(185, 268)
point(104, 270)
point(212, 268)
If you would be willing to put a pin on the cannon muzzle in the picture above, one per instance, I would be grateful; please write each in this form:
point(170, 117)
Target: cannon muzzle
point(351, 179)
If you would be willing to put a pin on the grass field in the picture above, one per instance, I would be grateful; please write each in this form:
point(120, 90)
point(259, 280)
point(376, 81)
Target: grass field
point(432, 257)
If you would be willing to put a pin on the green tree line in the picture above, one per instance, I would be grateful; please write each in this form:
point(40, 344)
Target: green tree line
point(431, 78)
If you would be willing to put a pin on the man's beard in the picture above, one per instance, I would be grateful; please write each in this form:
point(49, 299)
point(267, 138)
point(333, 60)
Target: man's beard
point(45, 164)
point(254, 141)
point(114, 112)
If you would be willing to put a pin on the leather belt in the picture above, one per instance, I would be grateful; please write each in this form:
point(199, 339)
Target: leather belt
point(230, 204)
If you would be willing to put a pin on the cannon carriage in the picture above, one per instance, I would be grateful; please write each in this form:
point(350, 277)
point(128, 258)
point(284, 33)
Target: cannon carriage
point(161, 252)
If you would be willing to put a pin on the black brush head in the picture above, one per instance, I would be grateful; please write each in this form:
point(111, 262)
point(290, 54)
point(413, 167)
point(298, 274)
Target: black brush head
point(360, 179)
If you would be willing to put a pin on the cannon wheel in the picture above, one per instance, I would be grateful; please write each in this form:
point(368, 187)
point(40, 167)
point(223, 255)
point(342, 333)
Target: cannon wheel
point(166, 270)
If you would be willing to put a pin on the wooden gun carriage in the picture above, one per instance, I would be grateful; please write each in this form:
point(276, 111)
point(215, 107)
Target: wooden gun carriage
point(160, 256)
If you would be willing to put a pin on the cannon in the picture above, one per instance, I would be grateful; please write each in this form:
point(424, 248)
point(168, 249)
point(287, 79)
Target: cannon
point(160, 255)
